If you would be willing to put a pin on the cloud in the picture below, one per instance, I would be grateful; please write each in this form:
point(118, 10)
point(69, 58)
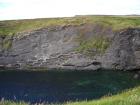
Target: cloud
point(18, 9)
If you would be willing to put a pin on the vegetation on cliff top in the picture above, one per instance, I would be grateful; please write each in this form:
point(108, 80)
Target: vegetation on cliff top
point(11, 27)
point(129, 97)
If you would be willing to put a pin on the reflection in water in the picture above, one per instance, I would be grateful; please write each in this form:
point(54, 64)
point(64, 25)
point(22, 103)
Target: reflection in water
point(61, 86)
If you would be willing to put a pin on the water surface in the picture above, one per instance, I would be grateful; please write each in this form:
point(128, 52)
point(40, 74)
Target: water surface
point(62, 86)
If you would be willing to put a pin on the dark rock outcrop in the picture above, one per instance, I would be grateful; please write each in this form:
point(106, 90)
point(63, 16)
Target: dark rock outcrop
point(54, 47)
point(124, 53)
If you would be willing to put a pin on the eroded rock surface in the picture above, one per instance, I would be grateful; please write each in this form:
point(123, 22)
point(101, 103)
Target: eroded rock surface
point(55, 48)
point(124, 53)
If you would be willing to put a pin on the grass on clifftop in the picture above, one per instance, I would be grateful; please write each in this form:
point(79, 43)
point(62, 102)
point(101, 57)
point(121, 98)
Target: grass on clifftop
point(11, 27)
point(129, 97)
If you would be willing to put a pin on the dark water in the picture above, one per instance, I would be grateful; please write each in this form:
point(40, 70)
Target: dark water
point(61, 86)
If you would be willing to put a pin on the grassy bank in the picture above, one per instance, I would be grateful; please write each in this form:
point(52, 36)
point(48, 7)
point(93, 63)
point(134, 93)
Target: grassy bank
point(12, 103)
point(129, 97)
point(11, 27)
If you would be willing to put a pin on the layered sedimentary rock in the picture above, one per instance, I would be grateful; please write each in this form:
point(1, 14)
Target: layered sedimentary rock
point(55, 47)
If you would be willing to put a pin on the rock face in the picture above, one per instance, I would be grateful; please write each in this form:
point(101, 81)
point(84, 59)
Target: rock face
point(54, 47)
point(124, 53)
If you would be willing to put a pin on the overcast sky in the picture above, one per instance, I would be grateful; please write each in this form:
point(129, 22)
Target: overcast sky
point(24, 9)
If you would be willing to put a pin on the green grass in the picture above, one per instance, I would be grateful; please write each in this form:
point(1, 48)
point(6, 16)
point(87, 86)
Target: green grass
point(116, 22)
point(128, 97)
point(4, 102)
point(7, 44)
point(15, 26)
point(92, 46)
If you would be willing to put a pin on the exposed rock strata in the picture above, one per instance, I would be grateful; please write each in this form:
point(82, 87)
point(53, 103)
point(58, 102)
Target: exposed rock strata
point(55, 48)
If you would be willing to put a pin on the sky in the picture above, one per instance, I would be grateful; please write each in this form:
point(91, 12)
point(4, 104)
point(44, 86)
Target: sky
point(26, 9)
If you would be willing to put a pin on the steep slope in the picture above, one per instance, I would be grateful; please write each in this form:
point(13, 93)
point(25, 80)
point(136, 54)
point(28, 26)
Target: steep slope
point(124, 53)
point(87, 46)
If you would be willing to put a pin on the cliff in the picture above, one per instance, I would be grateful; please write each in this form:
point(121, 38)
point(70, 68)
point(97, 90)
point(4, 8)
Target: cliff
point(86, 46)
